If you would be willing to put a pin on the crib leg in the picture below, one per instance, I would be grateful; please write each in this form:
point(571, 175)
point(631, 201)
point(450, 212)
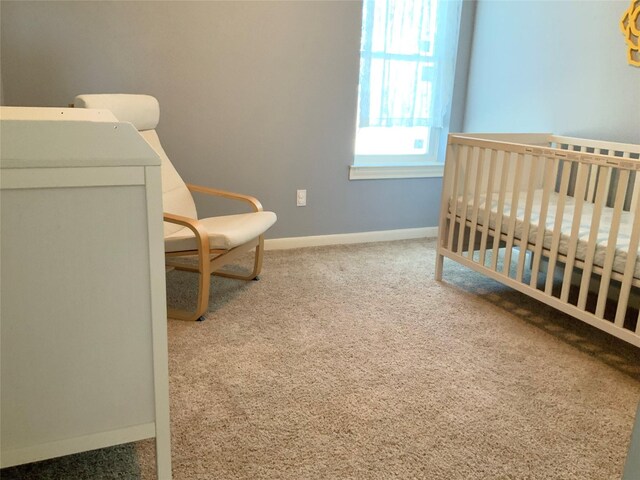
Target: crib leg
point(439, 267)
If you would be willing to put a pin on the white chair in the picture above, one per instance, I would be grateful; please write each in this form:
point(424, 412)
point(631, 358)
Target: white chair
point(216, 241)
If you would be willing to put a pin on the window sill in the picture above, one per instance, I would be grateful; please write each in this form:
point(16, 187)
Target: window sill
point(361, 172)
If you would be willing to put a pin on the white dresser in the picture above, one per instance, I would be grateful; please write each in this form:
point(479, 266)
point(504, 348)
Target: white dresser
point(83, 316)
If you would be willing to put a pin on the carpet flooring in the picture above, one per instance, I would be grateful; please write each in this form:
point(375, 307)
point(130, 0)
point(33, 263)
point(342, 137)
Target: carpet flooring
point(351, 362)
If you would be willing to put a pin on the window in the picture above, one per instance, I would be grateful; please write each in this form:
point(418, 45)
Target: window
point(407, 62)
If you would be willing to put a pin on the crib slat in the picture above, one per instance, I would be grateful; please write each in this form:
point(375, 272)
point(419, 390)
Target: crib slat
point(623, 183)
point(447, 192)
point(593, 238)
point(526, 225)
point(445, 223)
point(557, 227)
point(465, 203)
point(593, 173)
point(551, 169)
point(487, 206)
point(581, 186)
point(478, 160)
point(454, 194)
point(636, 186)
point(600, 151)
point(629, 268)
point(506, 166)
point(515, 196)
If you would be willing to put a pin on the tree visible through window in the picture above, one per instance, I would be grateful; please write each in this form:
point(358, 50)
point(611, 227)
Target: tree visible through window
point(406, 75)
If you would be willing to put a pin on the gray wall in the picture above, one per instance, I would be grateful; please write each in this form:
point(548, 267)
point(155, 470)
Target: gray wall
point(260, 97)
point(256, 97)
point(553, 66)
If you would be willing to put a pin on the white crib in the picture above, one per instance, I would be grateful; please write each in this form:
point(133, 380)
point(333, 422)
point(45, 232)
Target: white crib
point(556, 218)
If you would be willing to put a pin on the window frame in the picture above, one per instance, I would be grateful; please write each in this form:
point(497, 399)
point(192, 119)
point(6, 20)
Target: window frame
point(429, 165)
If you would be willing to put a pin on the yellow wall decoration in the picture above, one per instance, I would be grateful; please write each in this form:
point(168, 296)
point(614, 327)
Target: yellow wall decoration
point(630, 26)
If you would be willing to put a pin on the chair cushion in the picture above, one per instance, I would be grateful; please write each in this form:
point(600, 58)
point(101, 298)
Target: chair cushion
point(176, 197)
point(225, 232)
point(143, 111)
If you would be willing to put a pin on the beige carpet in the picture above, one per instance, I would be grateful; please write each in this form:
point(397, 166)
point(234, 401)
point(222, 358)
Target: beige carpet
point(351, 362)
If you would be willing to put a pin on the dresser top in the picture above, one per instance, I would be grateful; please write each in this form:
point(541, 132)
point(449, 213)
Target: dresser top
point(56, 138)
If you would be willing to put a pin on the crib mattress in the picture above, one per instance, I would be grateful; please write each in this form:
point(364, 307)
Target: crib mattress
point(624, 232)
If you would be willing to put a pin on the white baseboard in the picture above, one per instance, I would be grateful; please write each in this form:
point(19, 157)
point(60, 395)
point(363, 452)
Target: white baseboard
point(346, 238)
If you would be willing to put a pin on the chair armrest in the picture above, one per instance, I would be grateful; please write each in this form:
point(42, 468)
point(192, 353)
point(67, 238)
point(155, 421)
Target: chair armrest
point(202, 236)
point(254, 202)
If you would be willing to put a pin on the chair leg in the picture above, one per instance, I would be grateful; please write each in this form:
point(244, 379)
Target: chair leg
point(204, 285)
point(177, 314)
point(257, 265)
point(205, 269)
point(439, 267)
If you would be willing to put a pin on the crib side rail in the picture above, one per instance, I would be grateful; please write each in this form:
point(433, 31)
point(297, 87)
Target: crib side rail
point(610, 149)
point(523, 214)
point(589, 151)
point(596, 146)
point(541, 139)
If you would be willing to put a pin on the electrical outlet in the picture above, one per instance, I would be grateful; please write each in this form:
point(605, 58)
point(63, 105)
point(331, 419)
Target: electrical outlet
point(301, 198)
